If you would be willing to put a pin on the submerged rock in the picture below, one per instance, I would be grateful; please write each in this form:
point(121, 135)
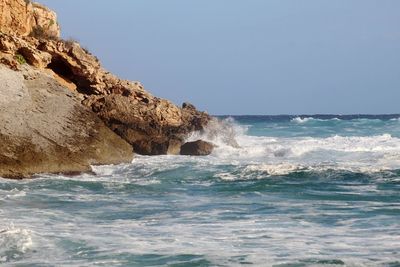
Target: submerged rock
point(197, 148)
point(44, 128)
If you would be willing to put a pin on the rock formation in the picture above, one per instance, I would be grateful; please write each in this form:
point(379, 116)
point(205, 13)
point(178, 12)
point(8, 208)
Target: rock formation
point(197, 148)
point(44, 128)
point(152, 126)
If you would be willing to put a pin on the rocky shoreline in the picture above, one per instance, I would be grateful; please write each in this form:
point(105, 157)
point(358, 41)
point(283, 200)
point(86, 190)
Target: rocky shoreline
point(61, 111)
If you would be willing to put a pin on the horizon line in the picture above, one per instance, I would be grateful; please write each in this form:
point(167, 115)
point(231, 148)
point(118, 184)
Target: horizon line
point(310, 115)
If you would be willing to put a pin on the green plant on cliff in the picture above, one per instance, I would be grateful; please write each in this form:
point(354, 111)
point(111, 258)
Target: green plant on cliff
point(27, 2)
point(51, 23)
point(20, 59)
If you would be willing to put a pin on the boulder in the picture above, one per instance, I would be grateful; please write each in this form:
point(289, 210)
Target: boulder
point(45, 128)
point(197, 148)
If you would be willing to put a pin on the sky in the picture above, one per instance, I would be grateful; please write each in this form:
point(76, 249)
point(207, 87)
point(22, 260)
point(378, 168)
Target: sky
point(253, 57)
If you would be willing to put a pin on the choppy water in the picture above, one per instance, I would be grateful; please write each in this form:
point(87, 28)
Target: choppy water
point(298, 191)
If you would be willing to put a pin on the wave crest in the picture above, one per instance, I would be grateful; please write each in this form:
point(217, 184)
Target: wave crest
point(302, 120)
point(282, 155)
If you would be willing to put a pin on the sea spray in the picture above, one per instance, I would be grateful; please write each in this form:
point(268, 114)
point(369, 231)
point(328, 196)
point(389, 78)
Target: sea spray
point(221, 132)
point(275, 155)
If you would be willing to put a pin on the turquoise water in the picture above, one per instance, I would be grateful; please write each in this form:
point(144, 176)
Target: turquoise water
point(297, 191)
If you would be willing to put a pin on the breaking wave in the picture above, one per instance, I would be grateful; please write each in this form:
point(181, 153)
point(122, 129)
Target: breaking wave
point(302, 120)
point(283, 155)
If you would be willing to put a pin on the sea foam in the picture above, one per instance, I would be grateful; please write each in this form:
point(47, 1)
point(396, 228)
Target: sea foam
point(302, 120)
point(282, 155)
point(14, 242)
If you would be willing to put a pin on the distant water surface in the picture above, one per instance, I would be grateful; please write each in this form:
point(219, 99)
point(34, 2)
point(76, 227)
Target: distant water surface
point(319, 190)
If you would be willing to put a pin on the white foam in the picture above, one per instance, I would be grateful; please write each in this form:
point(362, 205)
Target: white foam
point(302, 120)
point(260, 238)
point(267, 155)
point(14, 241)
point(11, 194)
point(275, 169)
point(282, 155)
point(15, 193)
point(254, 157)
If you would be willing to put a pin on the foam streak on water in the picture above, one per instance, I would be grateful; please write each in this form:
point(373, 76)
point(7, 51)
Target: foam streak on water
point(277, 191)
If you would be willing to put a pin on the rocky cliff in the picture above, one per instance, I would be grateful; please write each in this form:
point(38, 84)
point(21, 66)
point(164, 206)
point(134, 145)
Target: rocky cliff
point(24, 17)
point(29, 40)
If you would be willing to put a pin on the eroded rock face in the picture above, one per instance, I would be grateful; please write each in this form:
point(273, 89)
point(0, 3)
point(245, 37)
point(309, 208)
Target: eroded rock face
point(44, 128)
point(144, 125)
point(197, 148)
point(23, 17)
point(153, 126)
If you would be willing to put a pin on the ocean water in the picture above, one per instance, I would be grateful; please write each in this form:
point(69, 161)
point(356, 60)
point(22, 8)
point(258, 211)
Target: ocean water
point(277, 191)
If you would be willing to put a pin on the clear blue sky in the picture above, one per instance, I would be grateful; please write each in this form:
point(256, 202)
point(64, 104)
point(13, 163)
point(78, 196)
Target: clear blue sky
point(249, 56)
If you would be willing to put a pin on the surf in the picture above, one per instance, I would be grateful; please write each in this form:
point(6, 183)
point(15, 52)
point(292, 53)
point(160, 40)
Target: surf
point(273, 192)
point(365, 153)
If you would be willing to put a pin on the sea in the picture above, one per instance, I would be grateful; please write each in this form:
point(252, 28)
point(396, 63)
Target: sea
point(320, 190)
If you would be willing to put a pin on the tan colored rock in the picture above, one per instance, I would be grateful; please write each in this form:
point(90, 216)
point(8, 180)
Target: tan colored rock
point(44, 128)
point(66, 83)
point(45, 20)
point(9, 61)
point(35, 57)
point(27, 48)
point(22, 17)
point(16, 16)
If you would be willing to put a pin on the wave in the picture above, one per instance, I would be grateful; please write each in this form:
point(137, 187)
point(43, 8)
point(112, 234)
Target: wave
point(282, 155)
point(301, 120)
point(305, 119)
